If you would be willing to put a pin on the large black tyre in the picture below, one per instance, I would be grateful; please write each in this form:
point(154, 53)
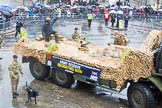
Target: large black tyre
point(140, 96)
point(63, 79)
point(38, 70)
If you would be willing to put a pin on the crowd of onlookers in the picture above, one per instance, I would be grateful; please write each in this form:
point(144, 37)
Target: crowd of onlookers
point(80, 11)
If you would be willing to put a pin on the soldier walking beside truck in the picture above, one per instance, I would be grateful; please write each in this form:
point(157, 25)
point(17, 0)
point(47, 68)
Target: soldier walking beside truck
point(15, 69)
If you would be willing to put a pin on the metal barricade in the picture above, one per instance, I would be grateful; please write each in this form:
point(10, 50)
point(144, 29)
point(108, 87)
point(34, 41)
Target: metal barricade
point(156, 23)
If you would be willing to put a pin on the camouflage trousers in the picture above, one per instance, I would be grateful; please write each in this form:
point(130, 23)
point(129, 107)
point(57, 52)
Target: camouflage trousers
point(14, 84)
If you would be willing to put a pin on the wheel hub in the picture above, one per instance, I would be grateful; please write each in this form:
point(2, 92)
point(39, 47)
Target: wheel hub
point(61, 76)
point(138, 99)
point(37, 68)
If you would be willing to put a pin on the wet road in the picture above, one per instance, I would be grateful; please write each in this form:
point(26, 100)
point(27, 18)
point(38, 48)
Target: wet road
point(53, 96)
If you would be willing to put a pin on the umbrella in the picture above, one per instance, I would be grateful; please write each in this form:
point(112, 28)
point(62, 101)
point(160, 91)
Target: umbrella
point(68, 6)
point(112, 6)
point(101, 6)
point(6, 13)
point(37, 5)
point(81, 6)
point(5, 8)
point(130, 8)
point(160, 10)
point(74, 7)
point(22, 8)
point(141, 7)
point(119, 12)
point(47, 6)
point(112, 11)
point(13, 10)
point(125, 7)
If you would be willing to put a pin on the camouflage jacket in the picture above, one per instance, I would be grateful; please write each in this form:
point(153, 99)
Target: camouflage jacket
point(120, 40)
point(117, 40)
point(76, 37)
point(15, 69)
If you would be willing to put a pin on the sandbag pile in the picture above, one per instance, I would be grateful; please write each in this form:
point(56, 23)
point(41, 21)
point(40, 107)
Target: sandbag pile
point(119, 66)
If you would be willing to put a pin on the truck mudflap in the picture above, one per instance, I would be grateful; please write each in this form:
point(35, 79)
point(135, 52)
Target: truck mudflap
point(83, 71)
point(157, 82)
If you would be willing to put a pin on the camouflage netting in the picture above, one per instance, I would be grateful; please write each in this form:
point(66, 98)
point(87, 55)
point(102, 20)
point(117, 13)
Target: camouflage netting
point(118, 63)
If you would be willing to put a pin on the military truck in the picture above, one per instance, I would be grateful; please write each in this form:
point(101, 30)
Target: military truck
point(141, 94)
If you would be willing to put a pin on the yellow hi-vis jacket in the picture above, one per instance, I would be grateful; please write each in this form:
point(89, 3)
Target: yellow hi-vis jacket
point(23, 34)
point(90, 16)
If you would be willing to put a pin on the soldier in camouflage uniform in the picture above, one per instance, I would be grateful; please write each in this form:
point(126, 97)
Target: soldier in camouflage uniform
point(120, 39)
point(76, 36)
point(14, 70)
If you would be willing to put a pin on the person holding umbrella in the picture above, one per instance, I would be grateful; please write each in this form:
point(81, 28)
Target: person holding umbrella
point(126, 19)
point(112, 20)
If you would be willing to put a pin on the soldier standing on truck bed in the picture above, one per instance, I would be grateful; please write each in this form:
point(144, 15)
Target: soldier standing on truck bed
point(15, 69)
point(76, 36)
point(120, 39)
point(47, 29)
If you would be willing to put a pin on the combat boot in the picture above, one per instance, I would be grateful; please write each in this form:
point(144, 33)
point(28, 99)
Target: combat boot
point(14, 95)
point(56, 38)
point(17, 94)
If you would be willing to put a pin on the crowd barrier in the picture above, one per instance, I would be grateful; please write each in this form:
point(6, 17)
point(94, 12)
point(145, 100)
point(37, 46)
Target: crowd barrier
point(6, 25)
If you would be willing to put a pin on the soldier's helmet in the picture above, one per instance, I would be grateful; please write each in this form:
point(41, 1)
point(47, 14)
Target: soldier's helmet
point(15, 56)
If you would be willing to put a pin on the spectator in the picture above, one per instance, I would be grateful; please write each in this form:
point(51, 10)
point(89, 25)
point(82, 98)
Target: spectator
point(112, 20)
point(126, 19)
point(106, 17)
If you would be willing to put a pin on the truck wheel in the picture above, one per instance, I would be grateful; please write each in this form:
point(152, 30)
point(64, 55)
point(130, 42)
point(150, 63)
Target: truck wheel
point(38, 70)
point(140, 96)
point(62, 79)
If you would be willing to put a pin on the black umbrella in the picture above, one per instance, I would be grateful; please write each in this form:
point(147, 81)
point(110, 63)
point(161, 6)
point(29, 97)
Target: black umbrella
point(6, 13)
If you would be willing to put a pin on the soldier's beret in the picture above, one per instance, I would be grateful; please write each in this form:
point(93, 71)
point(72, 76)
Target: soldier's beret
point(76, 28)
point(15, 56)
